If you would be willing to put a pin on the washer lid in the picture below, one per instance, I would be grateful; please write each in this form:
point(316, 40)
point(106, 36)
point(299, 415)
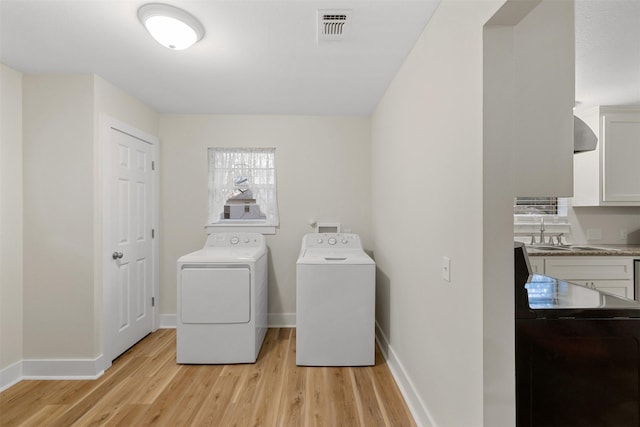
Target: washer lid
point(335, 256)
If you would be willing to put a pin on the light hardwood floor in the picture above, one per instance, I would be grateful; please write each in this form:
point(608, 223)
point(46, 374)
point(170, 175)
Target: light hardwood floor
point(145, 386)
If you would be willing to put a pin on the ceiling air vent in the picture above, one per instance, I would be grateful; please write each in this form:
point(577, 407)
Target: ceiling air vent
point(333, 24)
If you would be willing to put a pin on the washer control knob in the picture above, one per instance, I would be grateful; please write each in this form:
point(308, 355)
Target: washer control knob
point(332, 240)
point(246, 240)
point(320, 241)
point(234, 240)
point(345, 241)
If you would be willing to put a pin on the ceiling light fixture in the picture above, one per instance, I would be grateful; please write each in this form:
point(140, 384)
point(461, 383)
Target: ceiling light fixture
point(170, 26)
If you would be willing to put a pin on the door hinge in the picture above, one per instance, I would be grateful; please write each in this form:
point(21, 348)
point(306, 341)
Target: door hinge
point(153, 165)
point(153, 233)
point(153, 301)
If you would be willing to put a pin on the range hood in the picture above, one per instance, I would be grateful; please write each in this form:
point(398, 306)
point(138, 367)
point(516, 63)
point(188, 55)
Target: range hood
point(583, 137)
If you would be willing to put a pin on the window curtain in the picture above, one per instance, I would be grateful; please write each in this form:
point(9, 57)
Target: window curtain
point(258, 166)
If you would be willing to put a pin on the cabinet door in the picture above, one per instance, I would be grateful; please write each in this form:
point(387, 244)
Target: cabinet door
point(610, 274)
point(623, 288)
point(589, 268)
point(621, 157)
point(537, 265)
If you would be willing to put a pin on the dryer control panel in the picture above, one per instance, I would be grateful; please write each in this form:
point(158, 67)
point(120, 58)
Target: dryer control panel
point(235, 240)
point(331, 240)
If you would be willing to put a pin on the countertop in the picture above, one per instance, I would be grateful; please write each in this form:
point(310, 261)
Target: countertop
point(549, 293)
point(595, 250)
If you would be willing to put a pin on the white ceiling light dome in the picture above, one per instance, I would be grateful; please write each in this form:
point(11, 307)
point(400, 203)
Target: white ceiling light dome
point(170, 26)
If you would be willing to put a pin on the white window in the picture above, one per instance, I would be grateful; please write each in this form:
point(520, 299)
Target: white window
point(553, 206)
point(532, 214)
point(242, 187)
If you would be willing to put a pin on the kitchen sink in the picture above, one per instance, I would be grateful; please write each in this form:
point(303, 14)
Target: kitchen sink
point(590, 248)
point(570, 248)
point(549, 248)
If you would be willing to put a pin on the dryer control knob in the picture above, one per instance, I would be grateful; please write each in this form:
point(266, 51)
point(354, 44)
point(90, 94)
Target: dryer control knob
point(332, 241)
point(345, 241)
point(246, 240)
point(234, 240)
point(320, 241)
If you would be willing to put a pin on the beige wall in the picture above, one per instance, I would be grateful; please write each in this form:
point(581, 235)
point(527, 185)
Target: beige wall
point(427, 196)
point(498, 192)
point(445, 137)
point(323, 172)
point(115, 102)
point(11, 279)
point(528, 73)
point(62, 209)
point(58, 216)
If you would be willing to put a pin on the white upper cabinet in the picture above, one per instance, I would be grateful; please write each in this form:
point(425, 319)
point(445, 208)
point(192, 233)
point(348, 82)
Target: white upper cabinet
point(609, 175)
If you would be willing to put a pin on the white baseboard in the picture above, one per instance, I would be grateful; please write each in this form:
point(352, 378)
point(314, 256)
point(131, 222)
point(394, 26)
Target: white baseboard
point(282, 320)
point(62, 369)
point(51, 369)
point(10, 375)
point(168, 321)
point(417, 407)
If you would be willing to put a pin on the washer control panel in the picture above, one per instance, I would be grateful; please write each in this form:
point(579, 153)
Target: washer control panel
point(331, 240)
point(234, 240)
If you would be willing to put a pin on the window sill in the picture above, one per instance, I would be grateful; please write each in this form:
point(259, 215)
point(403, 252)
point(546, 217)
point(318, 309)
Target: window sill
point(246, 226)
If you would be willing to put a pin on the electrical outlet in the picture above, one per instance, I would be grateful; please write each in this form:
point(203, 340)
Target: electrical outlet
point(623, 234)
point(446, 269)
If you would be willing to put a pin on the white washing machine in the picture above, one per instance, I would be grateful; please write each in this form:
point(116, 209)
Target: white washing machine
point(335, 302)
point(222, 300)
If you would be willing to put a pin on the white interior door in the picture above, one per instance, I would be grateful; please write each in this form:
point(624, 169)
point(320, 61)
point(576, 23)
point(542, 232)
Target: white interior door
point(128, 239)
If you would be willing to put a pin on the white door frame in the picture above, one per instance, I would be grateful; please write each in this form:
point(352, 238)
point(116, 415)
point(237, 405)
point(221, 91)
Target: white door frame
point(107, 123)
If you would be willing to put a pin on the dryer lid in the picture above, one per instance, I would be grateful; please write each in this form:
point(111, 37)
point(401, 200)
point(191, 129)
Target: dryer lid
point(224, 255)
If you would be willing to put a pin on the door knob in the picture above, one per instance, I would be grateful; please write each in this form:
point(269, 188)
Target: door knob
point(116, 255)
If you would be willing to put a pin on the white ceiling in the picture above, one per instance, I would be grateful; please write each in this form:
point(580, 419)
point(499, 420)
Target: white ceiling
point(257, 57)
point(261, 57)
point(607, 52)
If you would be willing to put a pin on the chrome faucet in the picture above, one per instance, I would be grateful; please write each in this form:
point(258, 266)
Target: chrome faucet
point(542, 231)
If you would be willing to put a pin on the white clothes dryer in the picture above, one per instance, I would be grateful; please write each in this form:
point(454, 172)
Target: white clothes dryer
point(335, 302)
point(222, 300)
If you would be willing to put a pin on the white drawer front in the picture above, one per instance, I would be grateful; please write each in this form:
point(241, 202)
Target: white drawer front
point(623, 288)
point(590, 268)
